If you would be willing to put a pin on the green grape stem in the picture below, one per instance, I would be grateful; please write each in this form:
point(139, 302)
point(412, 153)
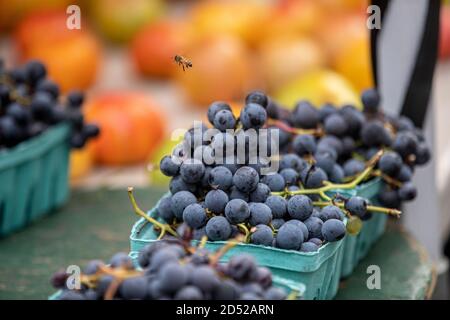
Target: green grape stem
point(328, 186)
point(389, 211)
point(139, 212)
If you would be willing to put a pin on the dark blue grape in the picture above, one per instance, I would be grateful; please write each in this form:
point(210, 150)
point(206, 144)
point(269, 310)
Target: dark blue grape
point(180, 201)
point(216, 107)
point(354, 119)
point(277, 223)
point(331, 144)
point(246, 179)
point(348, 146)
point(374, 134)
point(305, 115)
point(199, 233)
point(92, 267)
point(172, 277)
point(336, 125)
point(316, 241)
point(405, 144)
point(177, 184)
point(302, 227)
point(407, 192)
point(290, 176)
point(326, 110)
point(121, 259)
point(235, 193)
point(309, 247)
point(337, 174)
point(293, 161)
point(71, 295)
point(357, 206)
point(390, 163)
point(263, 235)
point(189, 293)
point(216, 200)
point(75, 99)
point(353, 166)
point(253, 116)
point(389, 198)
point(48, 86)
point(300, 207)
point(274, 181)
point(314, 226)
point(259, 214)
point(304, 144)
point(289, 236)
point(257, 97)
point(165, 209)
point(237, 211)
point(133, 288)
point(241, 267)
point(218, 228)
point(371, 100)
point(220, 177)
point(169, 167)
point(278, 206)
point(224, 119)
point(326, 159)
point(423, 154)
point(405, 173)
point(195, 216)
point(260, 194)
point(35, 71)
point(192, 170)
point(313, 177)
point(331, 212)
point(333, 230)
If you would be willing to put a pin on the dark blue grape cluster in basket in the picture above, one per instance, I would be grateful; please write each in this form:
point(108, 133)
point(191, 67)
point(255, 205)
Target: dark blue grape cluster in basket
point(314, 151)
point(172, 270)
point(30, 103)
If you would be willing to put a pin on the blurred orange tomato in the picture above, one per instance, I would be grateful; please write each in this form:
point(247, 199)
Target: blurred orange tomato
point(72, 56)
point(154, 47)
point(243, 19)
point(283, 59)
point(132, 126)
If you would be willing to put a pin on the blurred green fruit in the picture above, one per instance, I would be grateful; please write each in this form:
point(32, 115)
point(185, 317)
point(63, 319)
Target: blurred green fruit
point(119, 20)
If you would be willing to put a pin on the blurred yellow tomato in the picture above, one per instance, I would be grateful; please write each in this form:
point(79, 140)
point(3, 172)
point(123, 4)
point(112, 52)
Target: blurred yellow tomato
point(243, 19)
point(319, 87)
point(353, 62)
point(284, 59)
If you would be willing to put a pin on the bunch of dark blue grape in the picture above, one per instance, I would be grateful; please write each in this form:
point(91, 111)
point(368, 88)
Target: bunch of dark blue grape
point(333, 144)
point(30, 103)
point(172, 270)
point(222, 200)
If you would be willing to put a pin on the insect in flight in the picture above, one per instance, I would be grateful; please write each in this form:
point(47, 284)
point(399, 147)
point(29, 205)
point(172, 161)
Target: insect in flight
point(183, 62)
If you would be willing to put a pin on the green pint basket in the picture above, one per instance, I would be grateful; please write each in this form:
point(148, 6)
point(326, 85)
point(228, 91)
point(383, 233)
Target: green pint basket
point(34, 178)
point(318, 271)
point(357, 247)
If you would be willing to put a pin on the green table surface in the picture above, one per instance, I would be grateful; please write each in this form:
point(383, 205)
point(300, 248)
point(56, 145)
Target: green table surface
point(96, 224)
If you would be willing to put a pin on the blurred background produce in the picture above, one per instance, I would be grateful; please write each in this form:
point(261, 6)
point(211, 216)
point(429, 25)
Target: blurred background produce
point(292, 49)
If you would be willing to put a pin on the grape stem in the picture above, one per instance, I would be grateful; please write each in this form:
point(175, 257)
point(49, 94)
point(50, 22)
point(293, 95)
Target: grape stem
point(284, 126)
point(164, 227)
point(332, 186)
point(389, 211)
point(246, 231)
point(221, 252)
point(388, 179)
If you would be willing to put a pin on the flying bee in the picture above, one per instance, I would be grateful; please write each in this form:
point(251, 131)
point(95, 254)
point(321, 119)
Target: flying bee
point(183, 62)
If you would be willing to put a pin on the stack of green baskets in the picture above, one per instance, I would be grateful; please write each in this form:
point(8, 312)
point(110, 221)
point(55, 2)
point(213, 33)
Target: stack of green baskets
point(34, 178)
point(319, 271)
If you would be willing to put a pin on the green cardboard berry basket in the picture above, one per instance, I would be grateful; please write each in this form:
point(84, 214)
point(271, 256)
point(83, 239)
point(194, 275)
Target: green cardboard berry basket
point(357, 247)
point(319, 271)
point(34, 178)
